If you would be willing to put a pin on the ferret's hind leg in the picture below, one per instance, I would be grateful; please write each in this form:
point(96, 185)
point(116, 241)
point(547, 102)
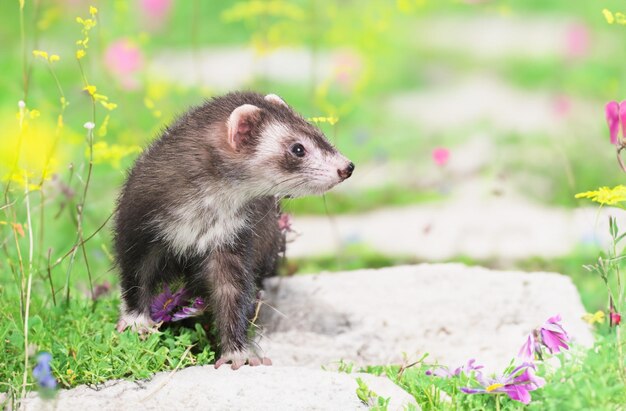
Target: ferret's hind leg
point(139, 282)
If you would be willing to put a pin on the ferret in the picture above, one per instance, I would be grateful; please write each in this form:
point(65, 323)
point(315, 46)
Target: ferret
point(201, 204)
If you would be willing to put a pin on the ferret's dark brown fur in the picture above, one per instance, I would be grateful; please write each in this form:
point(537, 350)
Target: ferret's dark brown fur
point(201, 204)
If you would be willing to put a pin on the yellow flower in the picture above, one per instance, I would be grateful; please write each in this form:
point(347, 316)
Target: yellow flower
point(103, 129)
point(606, 195)
point(31, 148)
point(54, 58)
point(148, 103)
point(93, 11)
point(597, 317)
point(331, 120)
point(34, 113)
point(608, 16)
point(39, 53)
point(108, 106)
point(112, 154)
point(90, 89)
point(253, 9)
point(80, 54)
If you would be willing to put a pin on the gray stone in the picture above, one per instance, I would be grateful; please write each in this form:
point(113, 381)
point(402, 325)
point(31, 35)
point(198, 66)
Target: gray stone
point(249, 388)
point(450, 311)
point(228, 68)
point(507, 228)
point(485, 102)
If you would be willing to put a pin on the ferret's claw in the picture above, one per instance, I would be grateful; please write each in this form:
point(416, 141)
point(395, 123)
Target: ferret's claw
point(239, 359)
point(142, 324)
point(121, 325)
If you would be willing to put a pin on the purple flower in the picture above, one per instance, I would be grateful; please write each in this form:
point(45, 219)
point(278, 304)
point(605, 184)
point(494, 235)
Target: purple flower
point(531, 348)
point(195, 309)
point(553, 336)
point(43, 373)
point(517, 384)
point(444, 372)
point(166, 304)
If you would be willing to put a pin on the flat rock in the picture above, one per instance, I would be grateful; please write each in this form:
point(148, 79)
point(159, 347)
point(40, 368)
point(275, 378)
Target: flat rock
point(204, 388)
point(228, 68)
point(492, 36)
point(451, 311)
point(485, 102)
point(507, 228)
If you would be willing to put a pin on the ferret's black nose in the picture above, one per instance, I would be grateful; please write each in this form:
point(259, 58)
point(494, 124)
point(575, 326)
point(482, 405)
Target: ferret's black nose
point(346, 172)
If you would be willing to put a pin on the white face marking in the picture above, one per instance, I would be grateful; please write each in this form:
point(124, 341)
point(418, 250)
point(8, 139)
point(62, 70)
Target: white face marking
point(319, 167)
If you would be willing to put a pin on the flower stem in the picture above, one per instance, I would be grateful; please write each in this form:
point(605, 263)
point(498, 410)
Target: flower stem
point(30, 282)
point(619, 158)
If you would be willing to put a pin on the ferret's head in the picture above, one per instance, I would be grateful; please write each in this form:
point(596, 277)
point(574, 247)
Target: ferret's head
point(284, 154)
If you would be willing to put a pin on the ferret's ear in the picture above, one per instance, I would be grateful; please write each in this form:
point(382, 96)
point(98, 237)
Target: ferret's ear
point(274, 99)
point(241, 123)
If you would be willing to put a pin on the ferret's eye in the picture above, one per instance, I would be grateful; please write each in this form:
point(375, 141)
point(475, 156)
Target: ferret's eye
point(298, 150)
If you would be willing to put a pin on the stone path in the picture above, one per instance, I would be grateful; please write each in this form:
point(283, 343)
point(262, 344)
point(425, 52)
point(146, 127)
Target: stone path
point(204, 388)
point(484, 101)
point(450, 311)
point(493, 36)
point(231, 68)
point(481, 228)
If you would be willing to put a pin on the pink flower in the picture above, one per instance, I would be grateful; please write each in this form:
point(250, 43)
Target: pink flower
point(562, 105)
point(155, 12)
point(577, 41)
point(553, 336)
point(531, 348)
point(550, 335)
point(616, 113)
point(347, 67)
point(124, 59)
point(517, 384)
point(616, 317)
point(441, 156)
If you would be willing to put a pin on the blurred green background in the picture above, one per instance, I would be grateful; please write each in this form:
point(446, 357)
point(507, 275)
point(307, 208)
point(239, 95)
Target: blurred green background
point(512, 91)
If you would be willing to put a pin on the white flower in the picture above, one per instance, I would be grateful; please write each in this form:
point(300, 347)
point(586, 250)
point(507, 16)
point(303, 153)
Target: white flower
point(89, 125)
point(21, 104)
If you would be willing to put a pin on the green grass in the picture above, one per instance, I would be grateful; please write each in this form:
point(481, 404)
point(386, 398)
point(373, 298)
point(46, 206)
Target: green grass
point(584, 380)
point(86, 348)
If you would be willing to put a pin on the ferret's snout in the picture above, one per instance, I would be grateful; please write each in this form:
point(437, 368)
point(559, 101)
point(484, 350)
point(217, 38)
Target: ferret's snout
point(346, 172)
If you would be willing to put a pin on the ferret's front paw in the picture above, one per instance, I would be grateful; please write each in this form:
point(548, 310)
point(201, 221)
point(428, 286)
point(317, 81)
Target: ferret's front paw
point(140, 323)
point(239, 358)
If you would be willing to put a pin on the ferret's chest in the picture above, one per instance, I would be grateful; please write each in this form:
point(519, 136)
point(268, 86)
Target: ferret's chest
point(203, 224)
